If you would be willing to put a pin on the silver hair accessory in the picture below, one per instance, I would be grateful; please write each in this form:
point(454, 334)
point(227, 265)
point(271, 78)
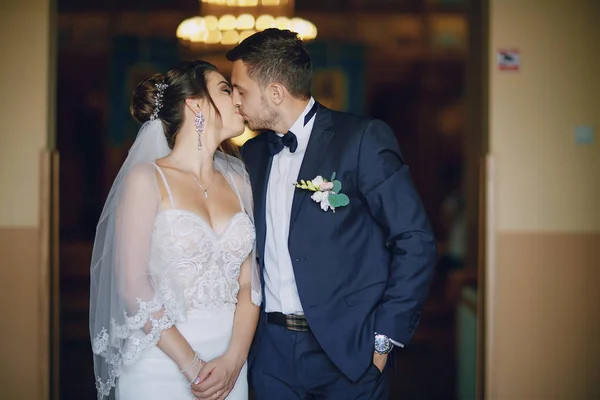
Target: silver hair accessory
point(199, 121)
point(158, 100)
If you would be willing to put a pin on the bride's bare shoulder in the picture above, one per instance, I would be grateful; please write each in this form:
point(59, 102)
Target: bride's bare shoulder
point(141, 178)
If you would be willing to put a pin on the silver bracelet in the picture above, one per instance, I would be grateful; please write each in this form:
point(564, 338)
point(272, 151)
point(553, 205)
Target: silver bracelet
point(194, 362)
point(197, 373)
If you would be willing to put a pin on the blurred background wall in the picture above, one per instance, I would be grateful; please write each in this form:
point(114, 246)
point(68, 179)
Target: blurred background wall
point(27, 112)
point(543, 271)
point(506, 163)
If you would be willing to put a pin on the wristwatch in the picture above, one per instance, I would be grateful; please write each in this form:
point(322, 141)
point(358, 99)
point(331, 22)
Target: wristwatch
point(383, 344)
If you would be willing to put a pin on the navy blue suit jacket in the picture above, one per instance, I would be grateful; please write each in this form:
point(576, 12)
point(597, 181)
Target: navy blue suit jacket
point(367, 267)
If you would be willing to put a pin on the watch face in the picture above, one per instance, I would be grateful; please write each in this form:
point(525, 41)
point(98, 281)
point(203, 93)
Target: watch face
point(382, 344)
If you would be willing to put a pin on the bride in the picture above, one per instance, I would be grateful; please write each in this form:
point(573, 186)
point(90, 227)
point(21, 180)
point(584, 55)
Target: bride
point(174, 283)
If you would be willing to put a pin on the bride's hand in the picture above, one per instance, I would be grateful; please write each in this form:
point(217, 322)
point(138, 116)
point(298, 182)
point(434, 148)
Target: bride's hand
point(217, 377)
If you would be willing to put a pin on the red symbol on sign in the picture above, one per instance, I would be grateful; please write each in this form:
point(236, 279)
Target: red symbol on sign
point(508, 60)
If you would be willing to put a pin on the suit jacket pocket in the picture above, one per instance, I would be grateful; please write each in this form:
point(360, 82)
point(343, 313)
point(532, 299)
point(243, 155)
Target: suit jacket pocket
point(369, 293)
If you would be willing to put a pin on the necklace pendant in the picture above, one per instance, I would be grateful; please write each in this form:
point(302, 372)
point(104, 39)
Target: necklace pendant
point(205, 193)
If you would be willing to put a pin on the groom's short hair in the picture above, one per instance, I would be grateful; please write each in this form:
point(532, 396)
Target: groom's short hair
point(276, 55)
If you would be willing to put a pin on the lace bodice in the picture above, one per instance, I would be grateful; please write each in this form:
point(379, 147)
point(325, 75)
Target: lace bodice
point(193, 266)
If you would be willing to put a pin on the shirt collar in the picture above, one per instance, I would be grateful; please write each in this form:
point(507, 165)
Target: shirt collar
point(298, 128)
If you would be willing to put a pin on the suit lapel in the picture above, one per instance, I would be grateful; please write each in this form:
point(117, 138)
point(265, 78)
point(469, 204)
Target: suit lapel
point(263, 169)
point(320, 137)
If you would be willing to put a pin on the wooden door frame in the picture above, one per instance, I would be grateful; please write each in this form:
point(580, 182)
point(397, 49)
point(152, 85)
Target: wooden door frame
point(48, 284)
point(478, 168)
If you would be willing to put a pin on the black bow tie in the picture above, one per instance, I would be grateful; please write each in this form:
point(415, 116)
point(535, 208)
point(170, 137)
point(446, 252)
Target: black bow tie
point(277, 143)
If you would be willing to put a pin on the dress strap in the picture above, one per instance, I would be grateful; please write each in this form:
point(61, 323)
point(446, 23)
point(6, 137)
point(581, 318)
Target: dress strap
point(164, 179)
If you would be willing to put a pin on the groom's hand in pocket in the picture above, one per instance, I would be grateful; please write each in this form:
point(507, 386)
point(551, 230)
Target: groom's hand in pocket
point(380, 360)
point(217, 378)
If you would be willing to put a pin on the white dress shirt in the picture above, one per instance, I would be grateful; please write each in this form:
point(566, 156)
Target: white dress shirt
point(281, 293)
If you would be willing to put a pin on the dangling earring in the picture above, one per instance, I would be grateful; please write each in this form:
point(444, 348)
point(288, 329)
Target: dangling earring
point(199, 121)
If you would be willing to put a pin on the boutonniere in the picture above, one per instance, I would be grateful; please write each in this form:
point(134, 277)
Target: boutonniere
point(326, 193)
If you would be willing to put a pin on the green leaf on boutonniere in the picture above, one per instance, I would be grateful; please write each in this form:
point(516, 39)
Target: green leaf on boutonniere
point(332, 177)
point(337, 186)
point(338, 200)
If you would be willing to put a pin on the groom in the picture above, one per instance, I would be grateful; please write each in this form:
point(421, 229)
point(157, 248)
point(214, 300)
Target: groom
point(343, 287)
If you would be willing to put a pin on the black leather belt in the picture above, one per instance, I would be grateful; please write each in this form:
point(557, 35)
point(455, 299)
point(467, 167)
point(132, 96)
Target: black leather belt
point(295, 323)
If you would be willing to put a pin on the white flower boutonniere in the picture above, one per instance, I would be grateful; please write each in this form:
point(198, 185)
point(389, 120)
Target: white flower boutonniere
point(326, 193)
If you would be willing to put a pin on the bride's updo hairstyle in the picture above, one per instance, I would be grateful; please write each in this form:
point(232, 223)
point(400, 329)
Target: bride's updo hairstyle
point(185, 80)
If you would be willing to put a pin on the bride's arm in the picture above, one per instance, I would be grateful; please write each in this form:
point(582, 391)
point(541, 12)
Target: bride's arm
point(219, 375)
point(174, 345)
point(137, 213)
point(246, 317)
point(247, 312)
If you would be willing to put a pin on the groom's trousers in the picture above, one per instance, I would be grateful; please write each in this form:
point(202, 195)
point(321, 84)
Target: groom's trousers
point(290, 365)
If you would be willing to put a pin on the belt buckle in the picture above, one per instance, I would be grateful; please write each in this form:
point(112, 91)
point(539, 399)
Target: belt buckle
point(293, 323)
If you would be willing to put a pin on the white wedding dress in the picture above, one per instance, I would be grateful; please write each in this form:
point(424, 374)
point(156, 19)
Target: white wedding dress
point(190, 262)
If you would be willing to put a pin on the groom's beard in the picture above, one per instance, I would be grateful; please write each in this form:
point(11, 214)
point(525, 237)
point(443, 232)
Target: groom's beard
point(267, 119)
